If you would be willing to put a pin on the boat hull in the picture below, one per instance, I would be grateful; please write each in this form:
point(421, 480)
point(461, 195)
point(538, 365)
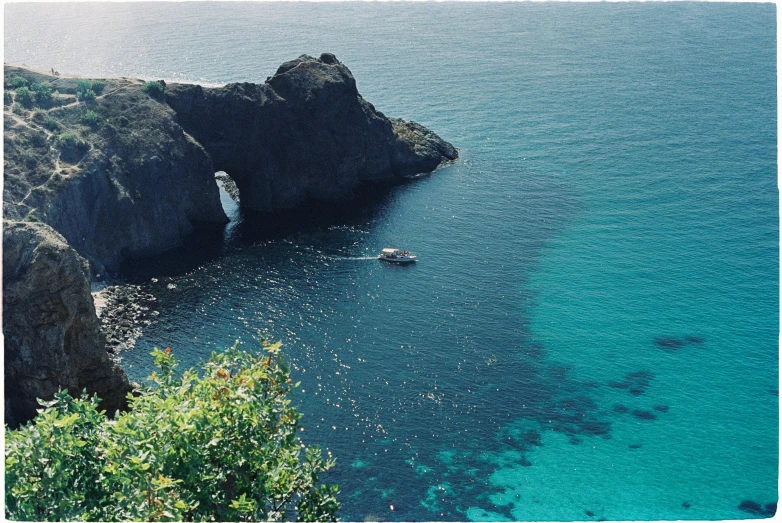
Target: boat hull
point(398, 260)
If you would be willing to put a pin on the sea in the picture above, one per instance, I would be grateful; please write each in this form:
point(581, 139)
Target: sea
point(592, 328)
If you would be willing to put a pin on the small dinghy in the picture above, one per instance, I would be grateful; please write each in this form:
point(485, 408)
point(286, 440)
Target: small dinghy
point(392, 255)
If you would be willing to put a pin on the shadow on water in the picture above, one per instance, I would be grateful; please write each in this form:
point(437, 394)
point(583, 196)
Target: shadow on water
point(209, 242)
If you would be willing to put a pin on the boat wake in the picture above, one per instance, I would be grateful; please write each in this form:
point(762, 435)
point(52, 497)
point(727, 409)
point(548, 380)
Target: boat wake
point(350, 258)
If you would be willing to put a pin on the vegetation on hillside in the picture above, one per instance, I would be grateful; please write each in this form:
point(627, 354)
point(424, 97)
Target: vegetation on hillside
point(216, 443)
point(154, 89)
point(88, 90)
point(81, 121)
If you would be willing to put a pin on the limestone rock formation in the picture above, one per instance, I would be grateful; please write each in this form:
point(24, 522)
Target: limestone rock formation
point(306, 134)
point(127, 173)
point(52, 335)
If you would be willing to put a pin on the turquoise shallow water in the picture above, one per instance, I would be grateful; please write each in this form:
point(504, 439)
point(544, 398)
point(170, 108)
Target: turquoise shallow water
point(592, 330)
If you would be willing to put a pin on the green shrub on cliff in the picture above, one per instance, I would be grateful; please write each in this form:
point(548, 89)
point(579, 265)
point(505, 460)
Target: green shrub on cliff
point(154, 89)
point(18, 81)
point(87, 90)
point(43, 92)
point(46, 120)
point(70, 141)
point(90, 118)
point(25, 97)
point(215, 443)
point(97, 86)
point(86, 96)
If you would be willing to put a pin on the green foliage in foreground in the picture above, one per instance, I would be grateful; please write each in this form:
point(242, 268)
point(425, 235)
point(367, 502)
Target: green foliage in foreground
point(219, 446)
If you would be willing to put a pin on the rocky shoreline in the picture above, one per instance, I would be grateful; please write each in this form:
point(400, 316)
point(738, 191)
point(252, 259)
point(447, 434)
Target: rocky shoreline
point(123, 311)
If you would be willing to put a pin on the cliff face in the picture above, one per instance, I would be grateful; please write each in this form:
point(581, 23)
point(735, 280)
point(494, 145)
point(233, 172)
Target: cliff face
point(127, 182)
point(127, 173)
point(305, 134)
point(52, 335)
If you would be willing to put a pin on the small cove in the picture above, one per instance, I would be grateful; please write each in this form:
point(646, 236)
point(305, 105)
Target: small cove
point(616, 187)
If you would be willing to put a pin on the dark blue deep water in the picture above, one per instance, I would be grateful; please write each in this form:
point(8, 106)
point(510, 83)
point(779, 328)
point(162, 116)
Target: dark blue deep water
point(592, 329)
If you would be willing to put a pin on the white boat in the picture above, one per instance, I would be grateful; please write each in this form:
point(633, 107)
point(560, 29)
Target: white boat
point(392, 255)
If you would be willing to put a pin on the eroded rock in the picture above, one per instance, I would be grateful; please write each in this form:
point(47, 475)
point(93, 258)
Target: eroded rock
point(52, 335)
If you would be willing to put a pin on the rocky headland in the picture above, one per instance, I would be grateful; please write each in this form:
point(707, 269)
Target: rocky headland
point(98, 171)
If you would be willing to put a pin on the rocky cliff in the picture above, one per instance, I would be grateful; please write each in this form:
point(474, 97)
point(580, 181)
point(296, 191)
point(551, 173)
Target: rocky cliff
point(116, 176)
point(120, 169)
point(305, 134)
point(52, 335)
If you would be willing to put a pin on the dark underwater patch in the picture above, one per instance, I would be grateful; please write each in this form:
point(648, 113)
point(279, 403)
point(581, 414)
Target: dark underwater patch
point(686, 504)
point(596, 428)
point(668, 343)
point(644, 415)
point(534, 350)
point(532, 437)
point(621, 409)
point(634, 446)
point(671, 343)
point(751, 507)
point(635, 383)
point(755, 508)
point(661, 408)
point(576, 416)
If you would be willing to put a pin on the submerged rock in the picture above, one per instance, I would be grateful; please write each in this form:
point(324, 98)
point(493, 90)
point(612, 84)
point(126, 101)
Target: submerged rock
point(635, 383)
point(752, 507)
point(644, 415)
point(532, 437)
point(669, 343)
point(755, 508)
point(52, 335)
